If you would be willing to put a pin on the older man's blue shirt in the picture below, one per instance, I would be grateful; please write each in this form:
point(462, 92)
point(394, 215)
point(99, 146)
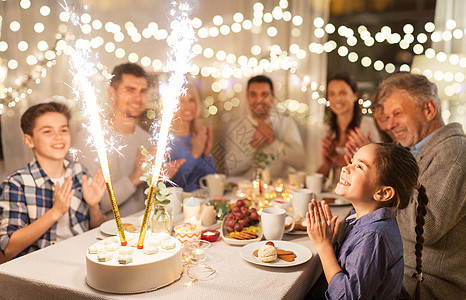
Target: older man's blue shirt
point(418, 147)
point(371, 256)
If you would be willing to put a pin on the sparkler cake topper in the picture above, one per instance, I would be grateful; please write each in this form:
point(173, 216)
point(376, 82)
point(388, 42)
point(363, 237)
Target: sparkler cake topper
point(83, 70)
point(181, 40)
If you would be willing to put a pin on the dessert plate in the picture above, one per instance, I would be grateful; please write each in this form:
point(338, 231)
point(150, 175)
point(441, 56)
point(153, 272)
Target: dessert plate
point(109, 227)
point(296, 232)
point(338, 200)
point(303, 254)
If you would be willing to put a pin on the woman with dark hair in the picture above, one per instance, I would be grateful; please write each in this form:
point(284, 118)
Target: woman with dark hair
point(343, 116)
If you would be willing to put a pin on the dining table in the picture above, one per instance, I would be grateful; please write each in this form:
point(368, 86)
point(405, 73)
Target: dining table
point(59, 272)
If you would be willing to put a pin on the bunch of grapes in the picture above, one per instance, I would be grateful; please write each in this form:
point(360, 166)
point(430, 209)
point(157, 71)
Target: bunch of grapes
point(240, 217)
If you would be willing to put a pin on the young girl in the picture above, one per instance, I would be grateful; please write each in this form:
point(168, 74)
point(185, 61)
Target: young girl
point(368, 263)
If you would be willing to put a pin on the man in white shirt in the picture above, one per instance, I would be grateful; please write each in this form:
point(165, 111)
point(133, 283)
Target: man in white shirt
point(128, 92)
point(263, 130)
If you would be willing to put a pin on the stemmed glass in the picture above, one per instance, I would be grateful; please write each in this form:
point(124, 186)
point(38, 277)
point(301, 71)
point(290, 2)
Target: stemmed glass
point(193, 260)
point(194, 253)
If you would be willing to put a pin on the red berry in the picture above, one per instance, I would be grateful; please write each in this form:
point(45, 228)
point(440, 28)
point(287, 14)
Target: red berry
point(270, 243)
point(244, 211)
point(230, 223)
point(238, 227)
point(244, 222)
point(238, 215)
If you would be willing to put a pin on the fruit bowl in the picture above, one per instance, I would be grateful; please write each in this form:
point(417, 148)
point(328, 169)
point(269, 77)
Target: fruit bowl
point(231, 241)
point(243, 223)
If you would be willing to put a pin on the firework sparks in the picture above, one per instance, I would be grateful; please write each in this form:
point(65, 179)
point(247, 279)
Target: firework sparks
point(83, 70)
point(180, 41)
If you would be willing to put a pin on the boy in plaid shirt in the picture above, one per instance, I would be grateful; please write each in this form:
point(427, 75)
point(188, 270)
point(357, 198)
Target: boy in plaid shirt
point(50, 199)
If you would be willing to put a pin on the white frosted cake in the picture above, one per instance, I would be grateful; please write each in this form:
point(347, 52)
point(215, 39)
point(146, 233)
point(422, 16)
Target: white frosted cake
point(125, 269)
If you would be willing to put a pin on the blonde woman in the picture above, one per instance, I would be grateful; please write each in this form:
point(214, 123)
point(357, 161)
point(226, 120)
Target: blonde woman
point(191, 141)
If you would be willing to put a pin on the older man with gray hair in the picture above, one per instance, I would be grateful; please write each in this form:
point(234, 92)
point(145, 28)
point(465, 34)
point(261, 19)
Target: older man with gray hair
point(412, 106)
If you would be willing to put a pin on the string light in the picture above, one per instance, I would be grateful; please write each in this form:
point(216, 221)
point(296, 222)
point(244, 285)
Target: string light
point(226, 65)
point(11, 96)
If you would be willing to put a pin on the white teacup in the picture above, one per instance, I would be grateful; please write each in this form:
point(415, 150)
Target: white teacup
point(273, 223)
point(281, 203)
point(314, 182)
point(176, 199)
point(301, 200)
point(297, 179)
point(215, 183)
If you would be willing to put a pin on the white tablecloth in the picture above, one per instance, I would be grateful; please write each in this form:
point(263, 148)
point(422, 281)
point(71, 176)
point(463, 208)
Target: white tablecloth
point(59, 271)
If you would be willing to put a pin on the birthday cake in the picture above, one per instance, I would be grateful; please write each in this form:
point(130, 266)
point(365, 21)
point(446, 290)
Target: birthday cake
point(125, 269)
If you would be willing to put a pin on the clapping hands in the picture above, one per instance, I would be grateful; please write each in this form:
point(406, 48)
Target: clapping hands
point(93, 193)
point(356, 139)
point(322, 226)
point(263, 134)
point(328, 148)
point(173, 166)
point(329, 153)
point(62, 196)
point(201, 142)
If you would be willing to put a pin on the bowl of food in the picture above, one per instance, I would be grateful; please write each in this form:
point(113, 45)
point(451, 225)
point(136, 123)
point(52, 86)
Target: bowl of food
point(242, 225)
point(188, 233)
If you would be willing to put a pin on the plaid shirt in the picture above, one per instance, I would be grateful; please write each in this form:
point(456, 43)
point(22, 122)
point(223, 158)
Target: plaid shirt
point(27, 195)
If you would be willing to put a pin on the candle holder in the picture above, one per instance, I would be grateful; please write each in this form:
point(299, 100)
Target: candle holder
point(116, 213)
point(145, 220)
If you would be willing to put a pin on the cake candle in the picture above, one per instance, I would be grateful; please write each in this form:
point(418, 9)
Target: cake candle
point(145, 220)
point(182, 40)
point(82, 69)
point(116, 213)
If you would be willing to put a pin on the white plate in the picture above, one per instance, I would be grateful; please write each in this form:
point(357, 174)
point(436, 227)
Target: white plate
point(339, 200)
point(241, 242)
point(298, 232)
point(110, 226)
point(303, 254)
